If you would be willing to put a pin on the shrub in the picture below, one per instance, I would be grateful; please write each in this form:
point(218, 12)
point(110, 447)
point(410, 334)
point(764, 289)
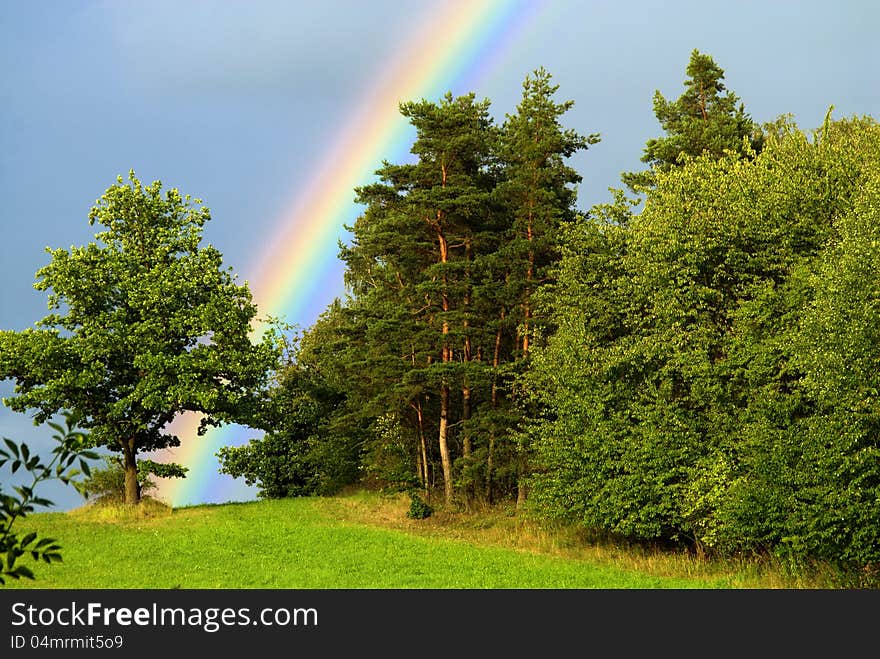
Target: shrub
point(418, 509)
point(108, 484)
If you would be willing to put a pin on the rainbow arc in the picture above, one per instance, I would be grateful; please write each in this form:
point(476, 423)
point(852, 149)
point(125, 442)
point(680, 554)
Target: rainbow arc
point(298, 273)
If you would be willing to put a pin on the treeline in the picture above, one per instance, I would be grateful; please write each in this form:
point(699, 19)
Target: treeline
point(694, 362)
point(714, 375)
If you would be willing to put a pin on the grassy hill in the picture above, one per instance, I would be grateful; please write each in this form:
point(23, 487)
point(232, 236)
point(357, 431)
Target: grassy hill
point(362, 541)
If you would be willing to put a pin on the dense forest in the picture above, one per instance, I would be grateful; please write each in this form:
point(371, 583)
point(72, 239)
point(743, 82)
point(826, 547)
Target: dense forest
point(694, 362)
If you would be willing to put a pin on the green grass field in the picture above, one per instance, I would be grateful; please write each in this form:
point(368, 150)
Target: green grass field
point(363, 541)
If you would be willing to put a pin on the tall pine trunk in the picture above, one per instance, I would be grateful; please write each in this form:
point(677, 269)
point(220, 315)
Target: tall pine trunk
point(466, 447)
point(522, 466)
point(423, 461)
point(496, 360)
point(445, 458)
point(446, 358)
point(530, 274)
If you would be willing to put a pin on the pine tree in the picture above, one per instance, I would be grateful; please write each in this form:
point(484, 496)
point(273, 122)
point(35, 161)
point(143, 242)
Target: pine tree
point(706, 118)
point(539, 196)
point(411, 261)
point(441, 272)
point(537, 189)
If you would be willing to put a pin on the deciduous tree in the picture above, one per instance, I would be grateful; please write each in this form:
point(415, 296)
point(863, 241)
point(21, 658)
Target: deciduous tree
point(146, 323)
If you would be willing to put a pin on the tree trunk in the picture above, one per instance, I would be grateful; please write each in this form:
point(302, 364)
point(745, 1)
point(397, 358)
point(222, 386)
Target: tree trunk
point(423, 448)
point(703, 103)
point(521, 492)
point(465, 416)
point(466, 357)
point(444, 445)
point(527, 303)
point(446, 357)
point(470, 484)
point(490, 494)
point(496, 360)
point(132, 489)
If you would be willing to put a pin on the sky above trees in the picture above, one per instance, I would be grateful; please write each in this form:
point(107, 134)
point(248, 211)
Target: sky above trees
point(234, 103)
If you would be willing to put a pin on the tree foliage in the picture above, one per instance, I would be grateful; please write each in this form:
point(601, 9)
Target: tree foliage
point(711, 380)
point(702, 371)
point(410, 381)
point(302, 451)
point(146, 324)
point(442, 268)
point(706, 119)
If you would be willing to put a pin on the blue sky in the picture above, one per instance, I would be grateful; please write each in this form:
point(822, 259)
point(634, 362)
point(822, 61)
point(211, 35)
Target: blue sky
point(233, 102)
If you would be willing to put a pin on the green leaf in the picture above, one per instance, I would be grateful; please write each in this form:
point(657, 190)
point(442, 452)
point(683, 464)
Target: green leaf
point(43, 542)
point(23, 571)
point(13, 447)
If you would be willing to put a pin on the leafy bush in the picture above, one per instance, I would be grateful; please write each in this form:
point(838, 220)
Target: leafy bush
point(108, 483)
point(418, 509)
point(70, 449)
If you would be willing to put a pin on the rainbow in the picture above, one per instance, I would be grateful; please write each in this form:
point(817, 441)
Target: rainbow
point(457, 43)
